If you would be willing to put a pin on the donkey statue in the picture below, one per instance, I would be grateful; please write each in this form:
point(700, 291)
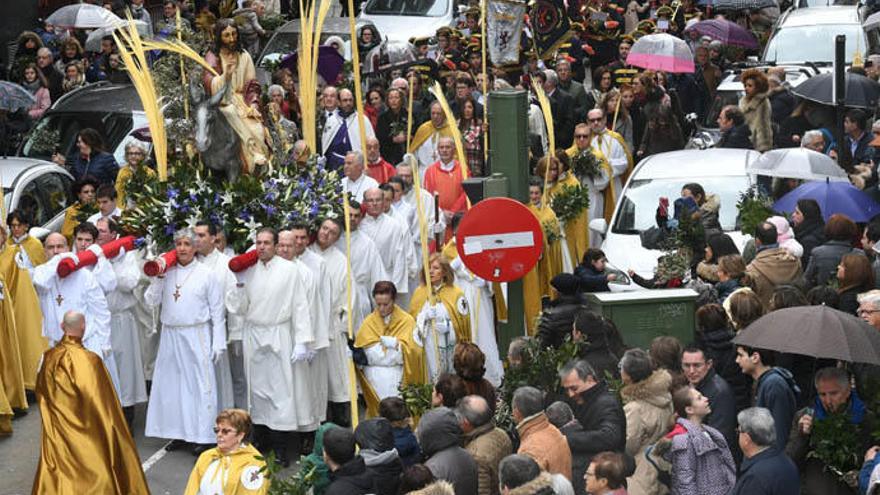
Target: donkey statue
point(216, 141)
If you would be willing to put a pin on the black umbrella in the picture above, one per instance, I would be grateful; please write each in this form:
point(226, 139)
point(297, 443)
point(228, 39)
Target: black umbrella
point(816, 331)
point(861, 91)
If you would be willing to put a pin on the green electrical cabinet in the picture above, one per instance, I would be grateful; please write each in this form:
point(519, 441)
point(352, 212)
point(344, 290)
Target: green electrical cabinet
point(642, 315)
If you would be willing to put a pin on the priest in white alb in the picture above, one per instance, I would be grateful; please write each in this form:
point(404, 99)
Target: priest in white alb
point(393, 240)
point(367, 267)
point(183, 398)
point(277, 339)
point(356, 181)
point(338, 392)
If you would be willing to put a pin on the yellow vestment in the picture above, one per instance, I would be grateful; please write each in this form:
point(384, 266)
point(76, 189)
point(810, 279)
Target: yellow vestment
point(577, 235)
point(401, 326)
point(454, 301)
point(536, 283)
point(85, 444)
point(241, 469)
point(28, 315)
point(11, 377)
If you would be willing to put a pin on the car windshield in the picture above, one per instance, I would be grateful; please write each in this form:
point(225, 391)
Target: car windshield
point(722, 99)
point(57, 131)
point(814, 43)
point(639, 206)
point(824, 3)
point(284, 43)
point(424, 8)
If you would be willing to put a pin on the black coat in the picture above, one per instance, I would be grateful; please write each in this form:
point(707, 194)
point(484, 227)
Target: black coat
point(562, 109)
point(352, 478)
point(603, 422)
point(736, 137)
point(824, 259)
point(55, 81)
point(590, 279)
point(782, 104)
point(723, 403)
point(811, 235)
point(720, 349)
point(392, 152)
point(768, 473)
point(557, 320)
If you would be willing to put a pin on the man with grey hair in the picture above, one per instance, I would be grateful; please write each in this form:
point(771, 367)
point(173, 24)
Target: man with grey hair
point(572, 87)
point(562, 107)
point(764, 470)
point(394, 242)
point(342, 133)
point(538, 438)
point(562, 417)
point(602, 420)
point(183, 399)
point(54, 77)
point(813, 140)
point(487, 444)
point(521, 473)
point(356, 181)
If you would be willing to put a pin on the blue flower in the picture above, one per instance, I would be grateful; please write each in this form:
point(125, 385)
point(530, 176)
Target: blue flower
point(270, 196)
point(173, 193)
point(314, 211)
point(169, 229)
point(244, 215)
point(270, 210)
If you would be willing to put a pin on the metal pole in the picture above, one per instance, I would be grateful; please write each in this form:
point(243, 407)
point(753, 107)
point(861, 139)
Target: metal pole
point(839, 90)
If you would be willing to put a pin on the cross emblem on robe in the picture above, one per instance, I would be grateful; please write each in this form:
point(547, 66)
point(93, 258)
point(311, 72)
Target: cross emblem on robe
point(59, 299)
point(176, 294)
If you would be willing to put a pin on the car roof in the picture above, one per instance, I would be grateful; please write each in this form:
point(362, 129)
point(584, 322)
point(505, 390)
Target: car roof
point(684, 164)
point(334, 25)
point(12, 168)
point(810, 16)
point(794, 76)
point(113, 98)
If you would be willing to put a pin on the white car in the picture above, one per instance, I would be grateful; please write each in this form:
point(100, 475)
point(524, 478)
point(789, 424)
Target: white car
point(720, 171)
point(40, 187)
point(400, 20)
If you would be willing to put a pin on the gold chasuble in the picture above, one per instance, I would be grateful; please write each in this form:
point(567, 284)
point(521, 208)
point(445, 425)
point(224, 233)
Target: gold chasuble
point(576, 230)
point(32, 247)
point(424, 142)
point(239, 469)
point(11, 378)
point(456, 306)
point(85, 445)
point(536, 283)
point(28, 315)
point(401, 326)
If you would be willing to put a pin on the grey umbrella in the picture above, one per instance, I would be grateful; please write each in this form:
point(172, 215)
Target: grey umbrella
point(83, 15)
point(798, 163)
point(743, 4)
point(14, 97)
point(816, 331)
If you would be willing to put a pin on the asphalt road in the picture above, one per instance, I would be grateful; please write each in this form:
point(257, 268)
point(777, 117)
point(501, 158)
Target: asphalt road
point(167, 472)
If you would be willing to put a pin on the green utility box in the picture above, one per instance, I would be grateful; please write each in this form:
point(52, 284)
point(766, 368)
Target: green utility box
point(642, 315)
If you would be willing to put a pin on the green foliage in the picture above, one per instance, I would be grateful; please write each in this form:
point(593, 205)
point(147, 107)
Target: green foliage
point(44, 140)
point(270, 22)
point(299, 484)
point(570, 202)
point(585, 164)
point(551, 231)
point(754, 208)
point(417, 397)
point(85, 211)
point(835, 442)
point(539, 368)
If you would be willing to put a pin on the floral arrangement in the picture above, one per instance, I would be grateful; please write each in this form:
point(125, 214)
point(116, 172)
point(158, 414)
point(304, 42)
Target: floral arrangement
point(290, 194)
point(43, 140)
point(836, 442)
point(571, 201)
point(754, 207)
point(585, 164)
point(551, 231)
point(300, 483)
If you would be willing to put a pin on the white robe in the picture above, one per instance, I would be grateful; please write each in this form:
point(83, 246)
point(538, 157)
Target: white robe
point(395, 246)
point(436, 334)
point(615, 153)
point(277, 317)
point(367, 268)
point(97, 216)
point(319, 303)
point(218, 263)
point(384, 370)
point(79, 291)
point(482, 314)
point(337, 352)
point(183, 399)
point(124, 335)
point(334, 122)
point(358, 187)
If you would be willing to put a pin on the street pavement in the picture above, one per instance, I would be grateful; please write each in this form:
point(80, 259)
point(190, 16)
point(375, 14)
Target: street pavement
point(167, 472)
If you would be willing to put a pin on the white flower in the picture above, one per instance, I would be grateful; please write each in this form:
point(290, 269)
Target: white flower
point(192, 221)
point(227, 198)
point(252, 227)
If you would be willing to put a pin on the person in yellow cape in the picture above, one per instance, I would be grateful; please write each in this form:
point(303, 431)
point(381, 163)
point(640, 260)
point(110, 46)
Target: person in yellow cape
point(85, 443)
point(26, 311)
point(559, 177)
point(427, 137)
point(135, 161)
point(599, 185)
point(390, 355)
point(12, 394)
point(536, 283)
point(443, 323)
point(84, 190)
point(615, 150)
point(233, 467)
point(20, 240)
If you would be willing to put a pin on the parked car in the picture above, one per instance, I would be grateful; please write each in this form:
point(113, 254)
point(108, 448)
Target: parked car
point(730, 90)
point(807, 35)
point(719, 171)
point(40, 187)
point(403, 19)
point(285, 41)
point(114, 110)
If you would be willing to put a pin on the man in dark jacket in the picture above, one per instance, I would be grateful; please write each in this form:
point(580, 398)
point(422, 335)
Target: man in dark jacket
point(734, 130)
point(765, 470)
point(595, 408)
point(561, 416)
point(375, 438)
point(348, 473)
point(520, 474)
point(54, 78)
point(833, 395)
point(857, 148)
point(562, 107)
point(775, 390)
point(700, 373)
point(557, 320)
point(439, 435)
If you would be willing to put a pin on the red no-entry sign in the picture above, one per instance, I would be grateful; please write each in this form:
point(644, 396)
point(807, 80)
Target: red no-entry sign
point(499, 240)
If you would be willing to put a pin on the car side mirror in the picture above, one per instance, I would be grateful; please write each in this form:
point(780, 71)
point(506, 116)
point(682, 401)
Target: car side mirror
point(39, 233)
point(599, 225)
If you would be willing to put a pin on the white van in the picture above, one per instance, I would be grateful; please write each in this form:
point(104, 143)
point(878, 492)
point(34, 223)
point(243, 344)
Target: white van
point(720, 171)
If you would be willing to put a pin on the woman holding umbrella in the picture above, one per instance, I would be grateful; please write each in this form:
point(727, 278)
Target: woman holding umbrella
point(755, 105)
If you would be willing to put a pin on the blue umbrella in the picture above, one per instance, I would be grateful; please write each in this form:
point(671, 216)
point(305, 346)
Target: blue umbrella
point(833, 197)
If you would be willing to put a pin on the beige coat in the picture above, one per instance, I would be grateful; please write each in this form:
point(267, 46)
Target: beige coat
point(757, 114)
point(488, 445)
point(648, 408)
point(771, 268)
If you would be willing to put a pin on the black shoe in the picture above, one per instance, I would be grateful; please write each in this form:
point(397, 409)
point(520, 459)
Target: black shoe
point(177, 445)
point(307, 444)
point(282, 458)
point(19, 413)
point(198, 448)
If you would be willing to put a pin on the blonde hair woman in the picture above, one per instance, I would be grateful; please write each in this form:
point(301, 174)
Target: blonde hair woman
point(233, 467)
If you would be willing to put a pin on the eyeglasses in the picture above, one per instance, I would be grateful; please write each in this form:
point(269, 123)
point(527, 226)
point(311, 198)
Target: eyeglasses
point(581, 136)
point(863, 312)
point(598, 119)
point(224, 431)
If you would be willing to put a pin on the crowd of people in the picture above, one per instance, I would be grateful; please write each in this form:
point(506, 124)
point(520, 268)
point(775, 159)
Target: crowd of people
point(231, 363)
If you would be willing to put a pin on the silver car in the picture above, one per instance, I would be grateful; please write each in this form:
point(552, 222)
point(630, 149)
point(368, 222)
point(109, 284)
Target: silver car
point(42, 188)
point(400, 20)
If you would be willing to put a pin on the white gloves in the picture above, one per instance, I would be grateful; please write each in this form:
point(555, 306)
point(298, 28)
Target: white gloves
point(239, 277)
point(457, 264)
point(96, 250)
point(300, 353)
point(388, 342)
point(105, 352)
point(438, 228)
point(217, 355)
